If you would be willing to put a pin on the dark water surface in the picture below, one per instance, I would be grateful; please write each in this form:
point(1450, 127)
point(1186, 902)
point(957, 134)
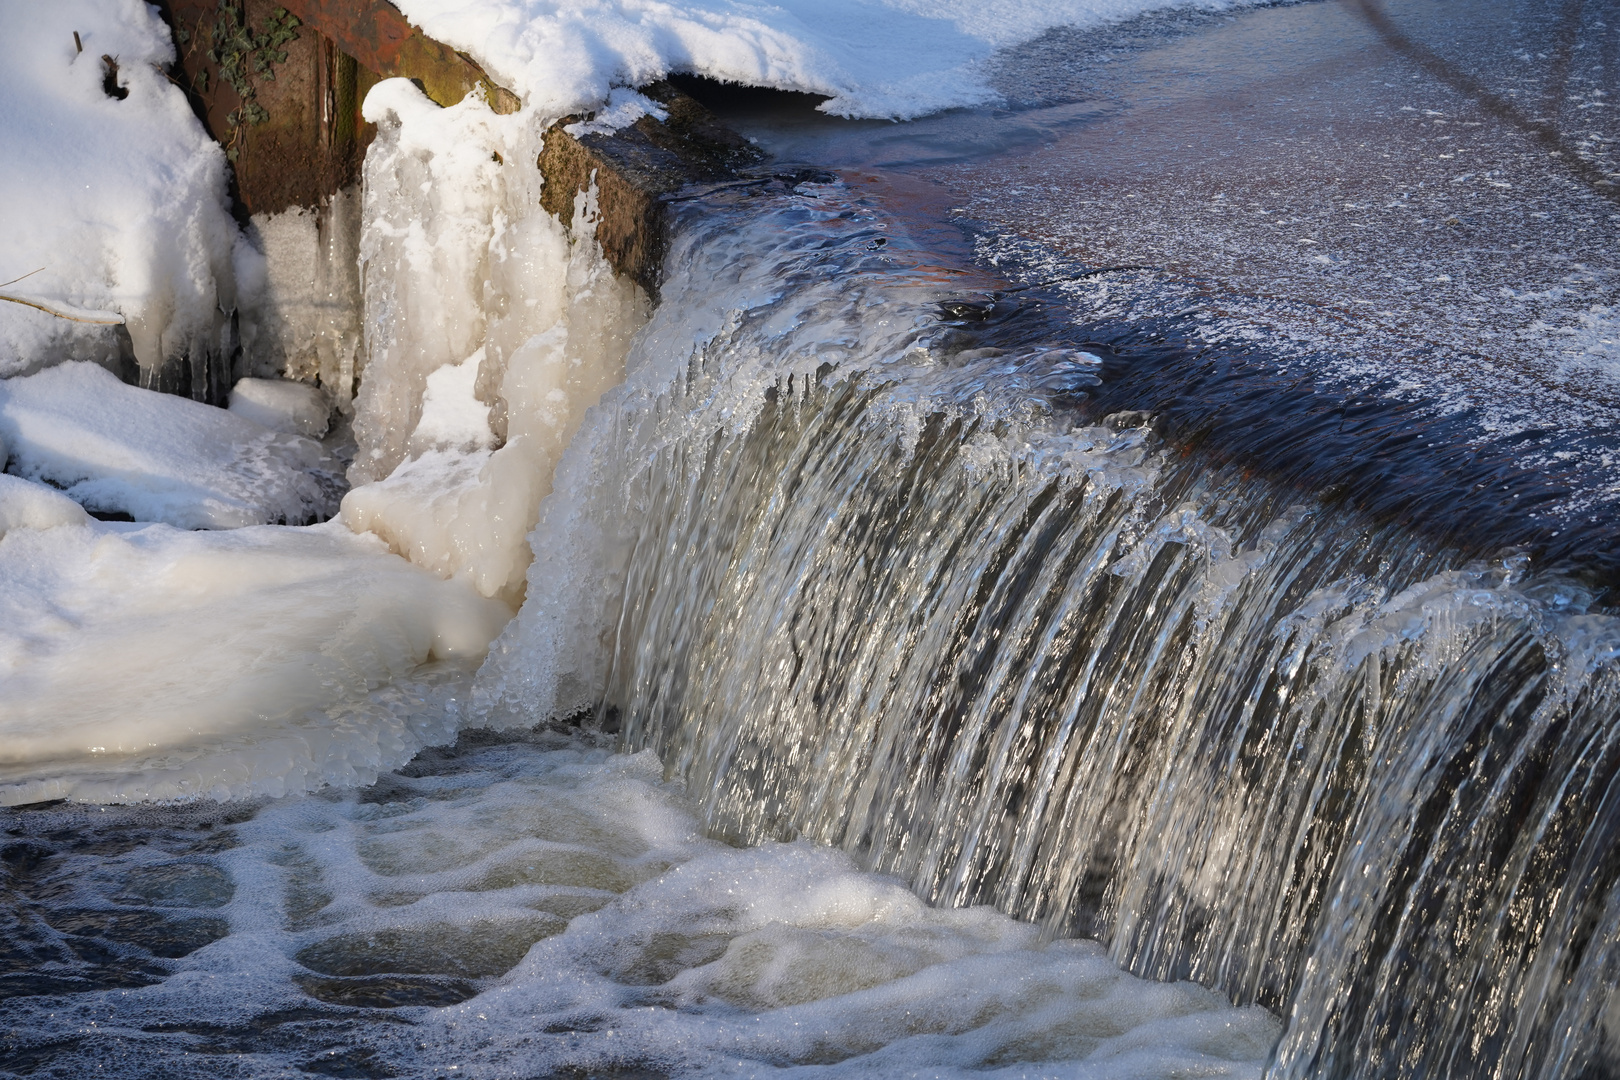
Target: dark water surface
point(1371, 249)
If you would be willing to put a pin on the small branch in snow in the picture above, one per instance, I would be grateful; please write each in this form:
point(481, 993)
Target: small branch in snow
point(66, 311)
point(14, 280)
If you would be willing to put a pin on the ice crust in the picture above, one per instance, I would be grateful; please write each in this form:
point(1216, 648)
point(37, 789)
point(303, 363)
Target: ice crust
point(141, 662)
point(119, 204)
point(871, 58)
point(117, 448)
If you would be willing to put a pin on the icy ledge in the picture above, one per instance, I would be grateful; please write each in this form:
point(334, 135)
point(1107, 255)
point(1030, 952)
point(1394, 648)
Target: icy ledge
point(145, 662)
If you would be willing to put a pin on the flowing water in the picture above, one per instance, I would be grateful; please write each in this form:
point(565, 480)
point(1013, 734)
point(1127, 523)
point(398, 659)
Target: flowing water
point(919, 672)
point(908, 589)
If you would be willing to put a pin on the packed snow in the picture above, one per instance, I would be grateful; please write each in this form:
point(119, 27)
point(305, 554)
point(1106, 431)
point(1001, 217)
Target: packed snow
point(118, 449)
point(871, 58)
point(282, 405)
point(119, 204)
point(26, 505)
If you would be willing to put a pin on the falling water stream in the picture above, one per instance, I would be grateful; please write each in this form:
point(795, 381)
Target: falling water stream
point(866, 551)
point(894, 586)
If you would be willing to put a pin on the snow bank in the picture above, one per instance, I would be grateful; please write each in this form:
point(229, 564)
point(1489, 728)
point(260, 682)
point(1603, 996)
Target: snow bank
point(117, 448)
point(119, 204)
point(872, 58)
point(155, 663)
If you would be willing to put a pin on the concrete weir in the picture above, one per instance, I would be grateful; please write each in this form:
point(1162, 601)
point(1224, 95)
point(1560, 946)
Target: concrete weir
point(279, 83)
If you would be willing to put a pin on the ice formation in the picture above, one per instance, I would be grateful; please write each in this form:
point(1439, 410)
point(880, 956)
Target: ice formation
point(119, 203)
point(119, 449)
point(490, 330)
point(142, 662)
point(301, 269)
point(872, 58)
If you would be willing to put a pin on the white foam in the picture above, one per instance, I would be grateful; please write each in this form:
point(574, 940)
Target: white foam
point(575, 892)
point(157, 457)
point(282, 405)
point(119, 204)
point(155, 663)
point(873, 58)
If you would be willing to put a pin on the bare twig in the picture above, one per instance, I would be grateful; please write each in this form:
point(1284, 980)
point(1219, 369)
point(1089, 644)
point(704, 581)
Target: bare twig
point(78, 315)
point(14, 280)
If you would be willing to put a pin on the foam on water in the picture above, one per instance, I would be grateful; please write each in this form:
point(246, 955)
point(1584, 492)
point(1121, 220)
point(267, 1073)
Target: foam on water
point(542, 907)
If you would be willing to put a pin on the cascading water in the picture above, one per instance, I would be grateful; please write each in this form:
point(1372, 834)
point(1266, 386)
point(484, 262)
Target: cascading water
point(886, 587)
point(847, 561)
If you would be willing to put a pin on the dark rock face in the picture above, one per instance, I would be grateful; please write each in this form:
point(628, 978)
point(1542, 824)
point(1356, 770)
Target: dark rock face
point(299, 137)
point(636, 169)
point(279, 84)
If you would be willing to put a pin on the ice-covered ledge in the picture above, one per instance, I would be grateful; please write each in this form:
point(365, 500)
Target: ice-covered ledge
point(636, 168)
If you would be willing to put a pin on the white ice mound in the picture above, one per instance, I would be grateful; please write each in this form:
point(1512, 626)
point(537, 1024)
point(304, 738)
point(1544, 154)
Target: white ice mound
point(459, 515)
point(119, 204)
point(116, 448)
point(282, 405)
point(156, 663)
point(27, 505)
point(452, 416)
point(872, 58)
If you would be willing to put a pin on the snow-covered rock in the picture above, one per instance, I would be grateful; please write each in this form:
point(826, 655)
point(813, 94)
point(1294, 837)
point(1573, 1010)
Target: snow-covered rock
point(118, 449)
point(119, 204)
point(27, 505)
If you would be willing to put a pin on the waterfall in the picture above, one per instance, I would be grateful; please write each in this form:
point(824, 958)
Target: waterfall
point(859, 576)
